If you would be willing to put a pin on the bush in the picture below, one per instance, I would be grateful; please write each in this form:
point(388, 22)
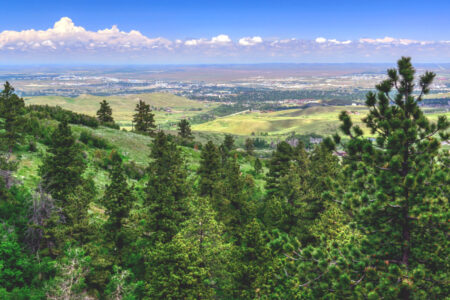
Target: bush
point(59, 114)
point(93, 141)
point(32, 147)
point(39, 129)
point(133, 170)
point(111, 125)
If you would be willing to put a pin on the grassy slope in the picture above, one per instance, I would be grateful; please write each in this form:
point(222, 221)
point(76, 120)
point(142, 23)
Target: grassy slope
point(319, 120)
point(123, 105)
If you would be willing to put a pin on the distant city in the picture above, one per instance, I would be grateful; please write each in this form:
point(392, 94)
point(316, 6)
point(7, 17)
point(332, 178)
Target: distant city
point(290, 84)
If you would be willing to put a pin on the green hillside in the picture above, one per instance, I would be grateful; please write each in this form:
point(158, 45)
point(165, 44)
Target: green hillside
point(322, 120)
point(94, 212)
point(173, 108)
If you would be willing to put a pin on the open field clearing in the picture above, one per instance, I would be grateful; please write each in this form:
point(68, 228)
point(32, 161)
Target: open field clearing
point(173, 108)
point(323, 120)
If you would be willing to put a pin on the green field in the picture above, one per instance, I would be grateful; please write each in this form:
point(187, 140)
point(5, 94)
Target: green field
point(321, 120)
point(123, 106)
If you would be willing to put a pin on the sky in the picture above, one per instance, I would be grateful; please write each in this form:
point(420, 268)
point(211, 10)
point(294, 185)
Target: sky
point(169, 31)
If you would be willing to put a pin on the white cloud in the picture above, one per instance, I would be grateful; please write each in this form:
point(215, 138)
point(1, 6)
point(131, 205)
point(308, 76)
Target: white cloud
point(65, 41)
point(321, 40)
point(250, 41)
point(372, 41)
point(65, 35)
point(220, 39)
point(65, 25)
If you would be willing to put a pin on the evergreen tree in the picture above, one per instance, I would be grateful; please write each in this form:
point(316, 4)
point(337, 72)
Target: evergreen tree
point(11, 109)
point(144, 119)
point(279, 166)
point(323, 170)
point(118, 200)
point(16, 265)
point(228, 143)
point(255, 262)
point(233, 208)
point(397, 195)
point(104, 114)
point(209, 170)
point(226, 148)
point(249, 146)
point(394, 197)
point(166, 190)
point(63, 167)
point(184, 130)
point(303, 187)
point(174, 272)
point(196, 263)
point(258, 166)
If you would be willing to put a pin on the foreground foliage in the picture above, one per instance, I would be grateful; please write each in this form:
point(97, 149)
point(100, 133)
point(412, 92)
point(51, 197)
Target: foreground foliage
point(372, 224)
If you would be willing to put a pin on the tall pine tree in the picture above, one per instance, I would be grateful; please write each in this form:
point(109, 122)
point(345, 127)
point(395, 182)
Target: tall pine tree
point(397, 197)
point(63, 167)
point(104, 114)
point(184, 130)
point(166, 190)
point(209, 170)
point(279, 166)
point(144, 119)
point(117, 200)
point(11, 109)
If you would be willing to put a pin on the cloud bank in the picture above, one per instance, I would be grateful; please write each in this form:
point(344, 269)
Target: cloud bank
point(67, 42)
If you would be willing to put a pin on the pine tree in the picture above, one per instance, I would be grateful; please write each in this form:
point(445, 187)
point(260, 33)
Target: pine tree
point(184, 130)
point(258, 166)
point(104, 114)
point(196, 263)
point(279, 166)
point(209, 170)
point(231, 200)
point(255, 262)
point(11, 108)
point(174, 272)
point(314, 174)
point(63, 167)
point(226, 148)
point(397, 195)
point(249, 146)
point(166, 190)
point(228, 143)
point(144, 119)
point(117, 200)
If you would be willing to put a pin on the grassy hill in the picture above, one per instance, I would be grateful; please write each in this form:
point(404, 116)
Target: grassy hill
point(133, 148)
point(321, 120)
point(123, 106)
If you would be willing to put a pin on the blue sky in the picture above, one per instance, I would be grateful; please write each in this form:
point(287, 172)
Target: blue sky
point(269, 20)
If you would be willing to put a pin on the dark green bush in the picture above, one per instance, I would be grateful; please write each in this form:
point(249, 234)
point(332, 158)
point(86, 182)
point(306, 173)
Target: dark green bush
point(93, 141)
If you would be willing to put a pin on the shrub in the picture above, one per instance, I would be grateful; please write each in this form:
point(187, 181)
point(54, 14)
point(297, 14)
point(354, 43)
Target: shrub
point(92, 140)
point(133, 170)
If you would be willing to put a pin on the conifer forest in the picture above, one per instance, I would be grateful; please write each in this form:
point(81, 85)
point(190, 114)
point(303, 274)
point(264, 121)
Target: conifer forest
point(84, 215)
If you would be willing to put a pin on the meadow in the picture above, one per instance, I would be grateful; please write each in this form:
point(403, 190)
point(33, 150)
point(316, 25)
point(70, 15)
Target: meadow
point(322, 120)
point(169, 108)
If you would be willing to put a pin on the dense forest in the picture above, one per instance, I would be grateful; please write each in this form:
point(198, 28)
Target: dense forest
point(369, 224)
